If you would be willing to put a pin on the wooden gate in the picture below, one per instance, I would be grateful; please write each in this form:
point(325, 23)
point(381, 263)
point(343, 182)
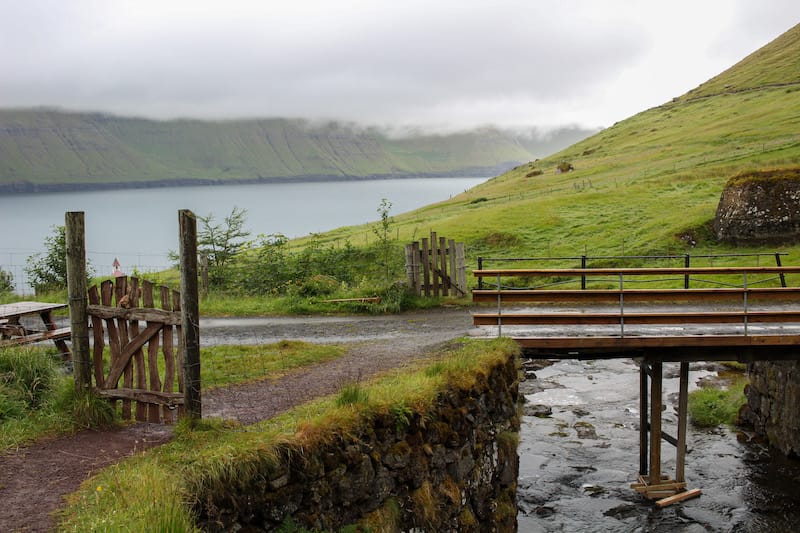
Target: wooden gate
point(116, 313)
point(436, 267)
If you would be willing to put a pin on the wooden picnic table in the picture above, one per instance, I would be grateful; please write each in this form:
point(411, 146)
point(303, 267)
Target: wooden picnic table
point(14, 332)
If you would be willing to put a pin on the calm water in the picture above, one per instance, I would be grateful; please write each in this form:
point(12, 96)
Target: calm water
point(140, 226)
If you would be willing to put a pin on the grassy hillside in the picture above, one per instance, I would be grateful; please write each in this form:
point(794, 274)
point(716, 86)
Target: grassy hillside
point(641, 185)
point(40, 148)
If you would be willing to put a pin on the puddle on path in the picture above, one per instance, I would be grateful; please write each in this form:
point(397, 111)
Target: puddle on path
point(576, 465)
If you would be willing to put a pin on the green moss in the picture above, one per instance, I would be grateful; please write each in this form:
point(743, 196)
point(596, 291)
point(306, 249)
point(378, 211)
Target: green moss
point(765, 176)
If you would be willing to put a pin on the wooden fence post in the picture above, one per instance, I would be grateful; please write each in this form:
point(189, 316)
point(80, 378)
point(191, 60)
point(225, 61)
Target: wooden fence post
point(74, 235)
point(190, 313)
point(426, 267)
point(461, 267)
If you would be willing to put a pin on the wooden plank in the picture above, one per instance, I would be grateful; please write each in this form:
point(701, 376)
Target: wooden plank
point(611, 296)
point(129, 351)
point(735, 270)
point(18, 309)
point(683, 401)
point(443, 266)
point(654, 475)
point(144, 396)
point(139, 313)
point(433, 260)
point(461, 268)
point(451, 276)
point(636, 318)
point(426, 267)
point(411, 266)
point(140, 371)
point(121, 296)
point(179, 359)
point(681, 496)
point(685, 341)
point(169, 355)
point(61, 333)
point(644, 422)
point(670, 488)
point(417, 263)
point(98, 339)
point(153, 410)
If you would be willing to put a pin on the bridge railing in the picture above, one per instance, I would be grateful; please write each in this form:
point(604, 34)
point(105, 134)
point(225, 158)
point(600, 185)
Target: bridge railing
point(602, 261)
point(618, 288)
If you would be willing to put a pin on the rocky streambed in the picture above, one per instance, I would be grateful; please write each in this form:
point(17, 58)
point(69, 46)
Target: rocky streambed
point(579, 453)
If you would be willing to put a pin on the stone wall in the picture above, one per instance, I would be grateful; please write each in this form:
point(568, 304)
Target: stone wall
point(773, 397)
point(760, 207)
point(452, 469)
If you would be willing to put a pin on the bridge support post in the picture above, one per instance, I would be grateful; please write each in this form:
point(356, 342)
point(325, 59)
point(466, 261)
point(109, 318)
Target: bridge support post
point(683, 400)
point(655, 422)
point(643, 418)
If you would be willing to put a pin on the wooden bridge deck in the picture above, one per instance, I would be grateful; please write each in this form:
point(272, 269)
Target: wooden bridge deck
point(704, 323)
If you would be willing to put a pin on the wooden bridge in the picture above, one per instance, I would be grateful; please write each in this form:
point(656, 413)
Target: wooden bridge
point(732, 313)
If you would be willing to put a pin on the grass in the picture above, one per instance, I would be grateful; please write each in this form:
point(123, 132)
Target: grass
point(154, 490)
point(37, 399)
point(711, 407)
point(228, 364)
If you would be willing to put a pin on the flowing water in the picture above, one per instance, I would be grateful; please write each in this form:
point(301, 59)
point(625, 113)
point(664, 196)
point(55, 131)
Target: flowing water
point(577, 463)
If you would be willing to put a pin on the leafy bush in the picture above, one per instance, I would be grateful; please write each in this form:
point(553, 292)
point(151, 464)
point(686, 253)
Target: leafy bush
point(709, 407)
point(6, 281)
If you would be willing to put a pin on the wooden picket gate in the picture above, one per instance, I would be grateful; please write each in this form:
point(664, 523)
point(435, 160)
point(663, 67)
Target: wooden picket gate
point(436, 267)
point(115, 311)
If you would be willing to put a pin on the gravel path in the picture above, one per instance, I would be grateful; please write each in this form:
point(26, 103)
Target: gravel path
point(35, 479)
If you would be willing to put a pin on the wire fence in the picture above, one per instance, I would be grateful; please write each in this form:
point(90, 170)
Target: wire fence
point(15, 261)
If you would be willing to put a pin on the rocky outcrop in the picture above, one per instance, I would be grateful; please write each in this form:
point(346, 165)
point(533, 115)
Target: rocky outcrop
point(772, 399)
point(760, 207)
point(451, 469)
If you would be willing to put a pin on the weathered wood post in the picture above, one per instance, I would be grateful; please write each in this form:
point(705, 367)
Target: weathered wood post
point(461, 267)
point(190, 313)
point(74, 235)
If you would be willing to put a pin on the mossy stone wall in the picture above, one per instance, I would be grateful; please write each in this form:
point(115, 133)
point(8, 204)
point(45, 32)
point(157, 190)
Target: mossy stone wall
point(760, 207)
point(452, 469)
point(773, 397)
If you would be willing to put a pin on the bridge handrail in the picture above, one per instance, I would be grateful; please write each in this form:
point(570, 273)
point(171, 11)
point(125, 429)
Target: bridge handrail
point(738, 270)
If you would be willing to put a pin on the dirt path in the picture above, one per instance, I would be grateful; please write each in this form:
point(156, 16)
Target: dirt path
point(34, 480)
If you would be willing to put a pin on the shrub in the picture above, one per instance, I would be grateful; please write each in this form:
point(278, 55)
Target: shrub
point(6, 281)
point(565, 166)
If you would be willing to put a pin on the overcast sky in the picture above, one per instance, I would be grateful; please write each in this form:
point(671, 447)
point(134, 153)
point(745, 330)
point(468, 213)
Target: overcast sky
point(443, 64)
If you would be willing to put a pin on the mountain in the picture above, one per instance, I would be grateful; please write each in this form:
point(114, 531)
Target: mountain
point(649, 184)
point(54, 150)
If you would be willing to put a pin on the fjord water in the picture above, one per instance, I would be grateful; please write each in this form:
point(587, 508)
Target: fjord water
point(139, 226)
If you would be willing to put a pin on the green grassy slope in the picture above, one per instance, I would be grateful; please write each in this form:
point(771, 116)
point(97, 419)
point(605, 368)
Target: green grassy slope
point(640, 185)
point(41, 147)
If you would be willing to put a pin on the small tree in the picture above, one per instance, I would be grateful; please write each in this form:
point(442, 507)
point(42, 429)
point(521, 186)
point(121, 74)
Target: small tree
point(48, 271)
point(6, 281)
point(221, 242)
point(382, 232)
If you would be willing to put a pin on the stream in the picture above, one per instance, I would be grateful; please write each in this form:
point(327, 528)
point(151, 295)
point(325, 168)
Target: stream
point(578, 461)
